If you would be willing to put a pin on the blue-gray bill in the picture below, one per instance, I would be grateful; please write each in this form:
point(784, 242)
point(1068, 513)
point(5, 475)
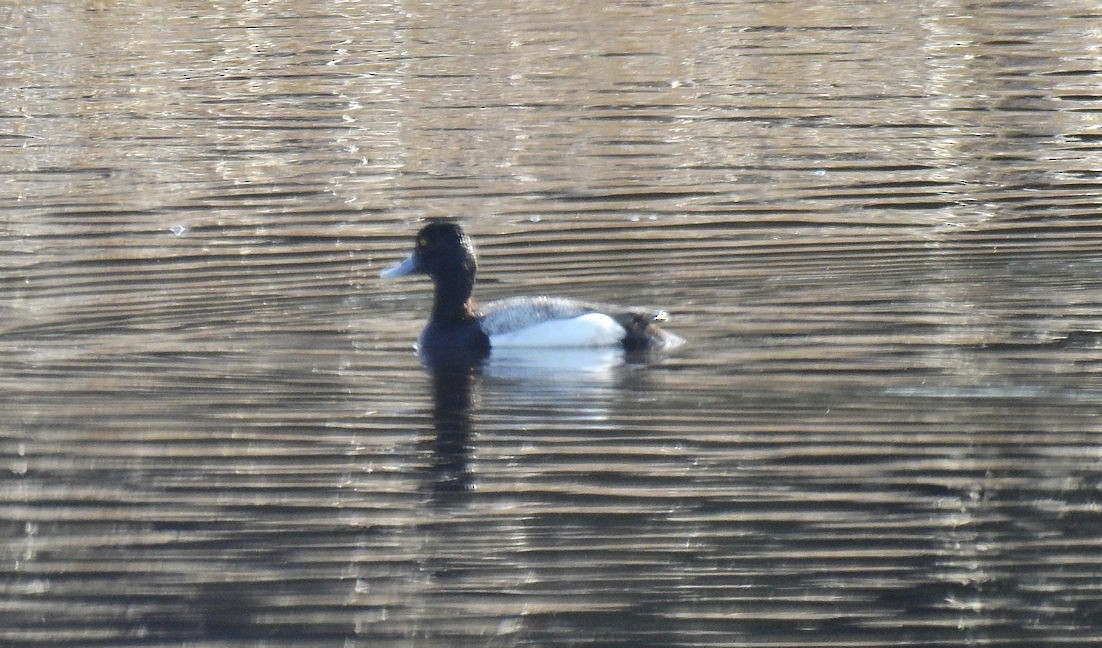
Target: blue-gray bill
point(404, 267)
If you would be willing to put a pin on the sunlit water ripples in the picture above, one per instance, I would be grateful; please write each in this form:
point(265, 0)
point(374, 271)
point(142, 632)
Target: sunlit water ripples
point(876, 226)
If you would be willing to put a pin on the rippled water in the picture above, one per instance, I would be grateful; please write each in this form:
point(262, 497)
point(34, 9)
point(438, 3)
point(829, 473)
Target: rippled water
point(877, 225)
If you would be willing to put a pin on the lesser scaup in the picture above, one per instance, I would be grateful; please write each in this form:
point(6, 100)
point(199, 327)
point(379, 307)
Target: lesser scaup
point(444, 252)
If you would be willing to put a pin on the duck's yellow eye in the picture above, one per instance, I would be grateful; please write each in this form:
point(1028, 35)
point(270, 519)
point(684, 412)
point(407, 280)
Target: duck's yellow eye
point(422, 241)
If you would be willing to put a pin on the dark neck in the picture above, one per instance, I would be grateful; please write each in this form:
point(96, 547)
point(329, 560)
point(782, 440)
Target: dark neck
point(451, 301)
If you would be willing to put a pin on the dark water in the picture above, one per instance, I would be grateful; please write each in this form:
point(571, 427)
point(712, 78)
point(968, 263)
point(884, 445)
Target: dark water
point(877, 224)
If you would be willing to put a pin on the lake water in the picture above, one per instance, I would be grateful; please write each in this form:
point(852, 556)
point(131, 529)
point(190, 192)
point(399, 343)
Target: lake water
point(876, 223)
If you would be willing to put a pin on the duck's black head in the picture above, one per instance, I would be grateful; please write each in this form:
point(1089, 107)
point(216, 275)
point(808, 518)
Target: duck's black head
point(441, 250)
point(444, 252)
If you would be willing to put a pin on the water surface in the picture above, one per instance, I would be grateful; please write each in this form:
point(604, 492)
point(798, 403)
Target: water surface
point(876, 224)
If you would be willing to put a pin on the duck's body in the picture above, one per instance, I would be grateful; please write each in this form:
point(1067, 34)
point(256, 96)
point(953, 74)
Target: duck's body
point(560, 322)
point(446, 254)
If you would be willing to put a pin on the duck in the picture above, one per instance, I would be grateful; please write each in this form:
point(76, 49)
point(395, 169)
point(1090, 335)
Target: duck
point(444, 252)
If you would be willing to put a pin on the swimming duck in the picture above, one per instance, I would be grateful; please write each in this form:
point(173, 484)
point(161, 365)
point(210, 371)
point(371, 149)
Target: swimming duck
point(445, 253)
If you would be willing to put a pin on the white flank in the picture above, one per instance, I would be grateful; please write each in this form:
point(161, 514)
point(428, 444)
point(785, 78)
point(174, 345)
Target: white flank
point(589, 330)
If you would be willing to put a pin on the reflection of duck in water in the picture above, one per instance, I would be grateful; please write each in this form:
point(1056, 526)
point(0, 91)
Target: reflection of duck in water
point(445, 253)
point(451, 398)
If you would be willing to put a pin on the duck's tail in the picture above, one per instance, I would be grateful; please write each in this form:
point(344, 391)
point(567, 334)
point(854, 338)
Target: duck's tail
point(643, 333)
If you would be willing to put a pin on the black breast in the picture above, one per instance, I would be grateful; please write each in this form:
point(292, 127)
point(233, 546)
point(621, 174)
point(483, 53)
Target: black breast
point(454, 342)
